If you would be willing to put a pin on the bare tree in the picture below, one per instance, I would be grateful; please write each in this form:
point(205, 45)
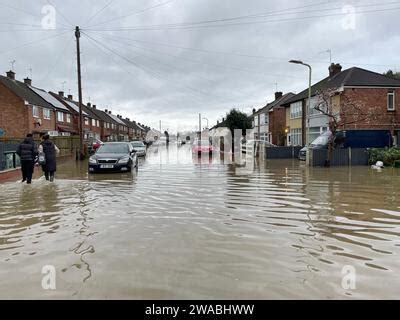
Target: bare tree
point(343, 111)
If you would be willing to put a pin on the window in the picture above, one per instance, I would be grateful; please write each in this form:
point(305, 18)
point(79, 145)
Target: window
point(390, 100)
point(60, 117)
point(35, 112)
point(295, 138)
point(296, 110)
point(263, 118)
point(46, 113)
point(315, 132)
point(68, 118)
point(93, 122)
point(86, 121)
point(256, 120)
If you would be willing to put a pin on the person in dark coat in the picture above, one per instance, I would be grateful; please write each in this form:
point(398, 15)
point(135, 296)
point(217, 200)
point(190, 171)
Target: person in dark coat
point(50, 151)
point(27, 151)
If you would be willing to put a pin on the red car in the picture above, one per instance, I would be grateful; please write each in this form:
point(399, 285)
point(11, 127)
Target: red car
point(202, 146)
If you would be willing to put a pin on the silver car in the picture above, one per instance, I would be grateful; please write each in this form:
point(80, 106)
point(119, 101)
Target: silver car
point(139, 147)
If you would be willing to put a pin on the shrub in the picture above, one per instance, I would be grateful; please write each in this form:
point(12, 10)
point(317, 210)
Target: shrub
point(388, 156)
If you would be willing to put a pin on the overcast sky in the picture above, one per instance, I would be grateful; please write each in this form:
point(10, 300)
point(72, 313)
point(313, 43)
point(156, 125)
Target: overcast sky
point(159, 60)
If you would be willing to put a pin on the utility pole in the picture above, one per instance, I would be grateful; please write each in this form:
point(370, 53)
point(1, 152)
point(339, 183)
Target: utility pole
point(199, 126)
point(78, 61)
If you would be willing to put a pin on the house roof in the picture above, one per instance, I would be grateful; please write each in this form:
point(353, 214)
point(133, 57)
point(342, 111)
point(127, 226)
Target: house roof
point(353, 77)
point(22, 90)
point(71, 105)
point(116, 119)
point(276, 103)
point(86, 109)
point(103, 115)
point(49, 98)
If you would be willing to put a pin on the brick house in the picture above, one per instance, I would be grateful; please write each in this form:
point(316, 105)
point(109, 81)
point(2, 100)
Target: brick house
point(22, 110)
point(372, 95)
point(113, 126)
point(64, 125)
point(131, 128)
point(73, 108)
point(106, 124)
point(269, 122)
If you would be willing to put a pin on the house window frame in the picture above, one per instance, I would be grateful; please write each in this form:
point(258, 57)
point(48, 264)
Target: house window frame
point(68, 118)
point(37, 113)
point(46, 113)
point(59, 115)
point(86, 121)
point(296, 110)
point(391, 93)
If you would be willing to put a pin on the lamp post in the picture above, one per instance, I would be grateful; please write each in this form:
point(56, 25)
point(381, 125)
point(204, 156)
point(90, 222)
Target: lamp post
point(309, 97)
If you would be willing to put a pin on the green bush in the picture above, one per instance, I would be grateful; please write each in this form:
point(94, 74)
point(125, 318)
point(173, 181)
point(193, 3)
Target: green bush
point(388, 156)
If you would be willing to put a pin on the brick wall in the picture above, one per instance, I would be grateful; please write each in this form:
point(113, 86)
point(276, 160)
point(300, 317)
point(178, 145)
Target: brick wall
point(373, 102)
point(13, 114)
point(277, 125)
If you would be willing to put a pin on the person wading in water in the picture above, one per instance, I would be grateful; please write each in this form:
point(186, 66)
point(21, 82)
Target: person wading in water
point(50, 151)
point(27, 152)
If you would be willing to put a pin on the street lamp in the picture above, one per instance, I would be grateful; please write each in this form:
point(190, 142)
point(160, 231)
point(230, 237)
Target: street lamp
point(309, 96)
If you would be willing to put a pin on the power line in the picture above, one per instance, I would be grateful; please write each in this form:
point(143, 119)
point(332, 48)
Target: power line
point(191, 27)
point(134, 13)
point(99, 11)
point(60, 13)
point(147, 70)
point(207, 63)
point(201, 50)
point(33, 42)
point(62, 53)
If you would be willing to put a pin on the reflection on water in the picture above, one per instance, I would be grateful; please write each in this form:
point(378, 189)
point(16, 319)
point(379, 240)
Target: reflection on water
point(189, 227)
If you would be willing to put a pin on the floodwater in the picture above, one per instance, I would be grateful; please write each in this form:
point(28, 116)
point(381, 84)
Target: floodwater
point(183, 228)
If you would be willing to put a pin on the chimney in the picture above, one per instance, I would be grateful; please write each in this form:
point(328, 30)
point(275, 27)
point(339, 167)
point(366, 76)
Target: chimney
point(61, 94)
point(334, 69)
point(254, 111)
point(89, 104)
point(28, 81)
point(70, 97)
point(278, 95)
point(94, 106)
point(109, 112)
point(106, 111)
point(11, 74)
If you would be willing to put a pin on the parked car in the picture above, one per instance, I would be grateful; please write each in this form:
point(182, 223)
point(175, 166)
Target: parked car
point(94, 144)
point(357, 138)
point(202, 146)
point(113, 156)
point(139, 147)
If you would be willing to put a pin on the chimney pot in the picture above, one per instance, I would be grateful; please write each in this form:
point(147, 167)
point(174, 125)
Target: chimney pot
point(106, 111)
point(94, 106)
point(28, 81)
point(70, 97)
point(11, 74)
point(89, 104)
point(61, 94)
point(334, 69)
point(278, 95)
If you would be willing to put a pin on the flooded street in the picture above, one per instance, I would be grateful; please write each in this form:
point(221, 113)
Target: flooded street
point(183, 228)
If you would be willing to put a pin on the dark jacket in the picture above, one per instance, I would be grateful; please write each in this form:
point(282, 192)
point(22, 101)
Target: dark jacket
point(50, 153)
point(27, 150)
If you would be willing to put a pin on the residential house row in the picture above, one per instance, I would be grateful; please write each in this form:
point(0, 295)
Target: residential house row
point(355, 97)
point(25, 108)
